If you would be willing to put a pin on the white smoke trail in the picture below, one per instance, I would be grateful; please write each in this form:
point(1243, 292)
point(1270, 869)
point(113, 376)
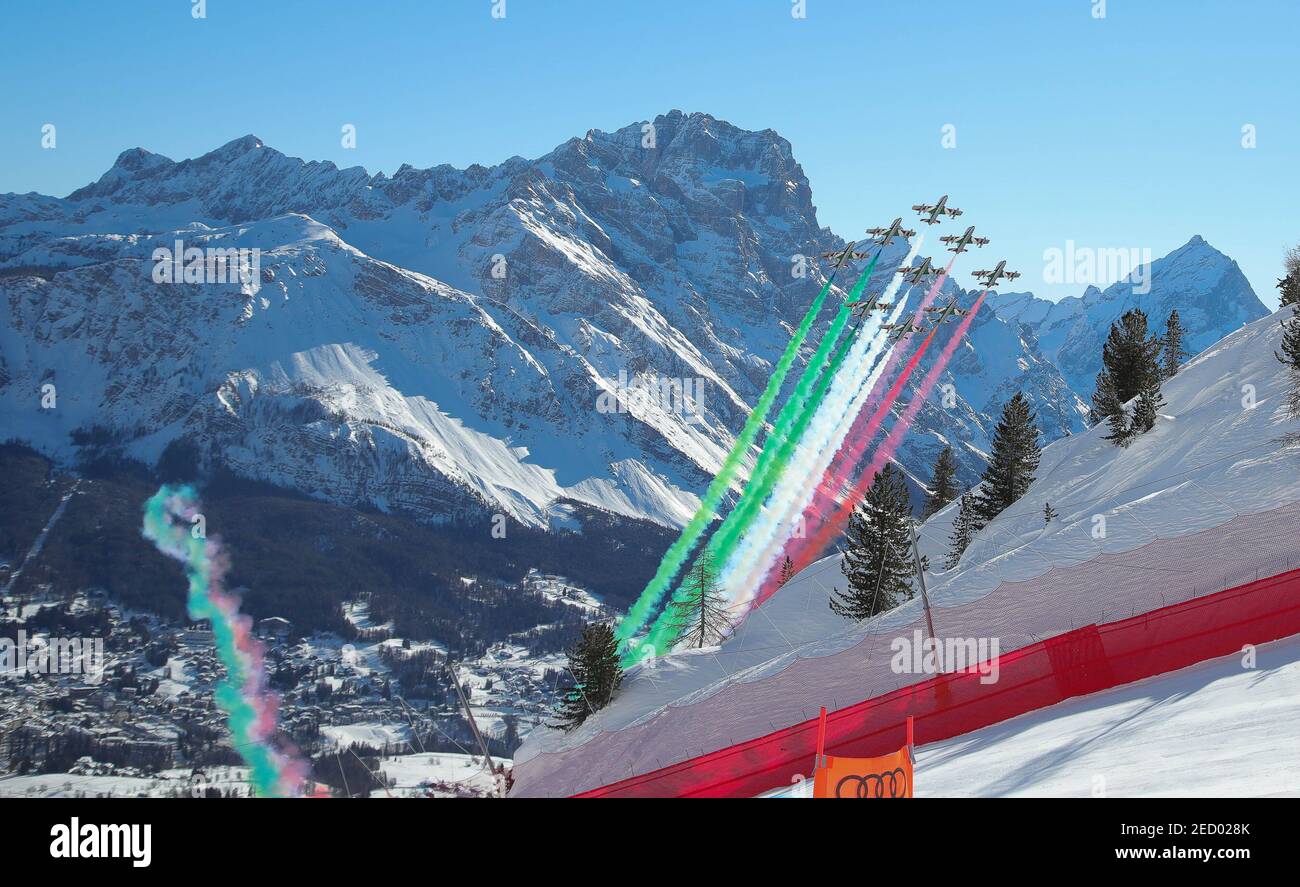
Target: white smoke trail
point(766, 536)
point(762, 546)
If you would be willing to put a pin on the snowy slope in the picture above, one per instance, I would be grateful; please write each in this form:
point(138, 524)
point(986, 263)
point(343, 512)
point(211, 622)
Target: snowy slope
point(1213, 455)
point(334, 374)
point(518, 294)
point(1184, 734)
point(1213, 463)
point(1141, 738)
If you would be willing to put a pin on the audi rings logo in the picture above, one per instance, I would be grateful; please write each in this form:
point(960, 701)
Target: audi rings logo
point(892, 784)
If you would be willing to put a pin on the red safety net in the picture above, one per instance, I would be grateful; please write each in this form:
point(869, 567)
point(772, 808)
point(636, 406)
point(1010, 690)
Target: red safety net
point(1078, 662)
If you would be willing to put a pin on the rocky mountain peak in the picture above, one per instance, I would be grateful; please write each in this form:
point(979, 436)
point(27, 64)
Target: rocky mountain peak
point(438, 339)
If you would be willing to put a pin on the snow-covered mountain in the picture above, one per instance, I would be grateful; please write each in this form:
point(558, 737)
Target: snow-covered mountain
point(439, 340)
point(1212, 297)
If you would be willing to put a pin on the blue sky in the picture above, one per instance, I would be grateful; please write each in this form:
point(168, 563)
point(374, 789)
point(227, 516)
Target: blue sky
point(1115, 132)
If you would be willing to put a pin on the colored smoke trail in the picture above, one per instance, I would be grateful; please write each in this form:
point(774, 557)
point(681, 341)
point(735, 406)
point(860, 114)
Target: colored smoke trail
point(873, 411)
point(764, 538)
point(836, 478)
point(886, 450)
point(834, 525)
point(894, 356)
point(789, 425)
point(870, 413)
point(250, 709)
point(764, 533)
point(675, 557)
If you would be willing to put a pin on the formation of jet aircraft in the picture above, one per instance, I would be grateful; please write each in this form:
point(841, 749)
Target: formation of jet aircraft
point(931, 214)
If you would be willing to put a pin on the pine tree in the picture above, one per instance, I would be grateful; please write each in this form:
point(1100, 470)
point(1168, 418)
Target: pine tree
point(1145, 411)
point(943, 488)
point(1013, 461)
point(1119, 433)
point(1289, 290)
point(1049, 513)
point(1290, 357)
point(787, 570)
point(699, 618)
point(878, 550)
point(1173, 351)
point(1106, 404)
point(963, 530)
point(1289, 286)
point(1130, 366)
point(1290, 354)
point(1149, 401)
point(594, 667)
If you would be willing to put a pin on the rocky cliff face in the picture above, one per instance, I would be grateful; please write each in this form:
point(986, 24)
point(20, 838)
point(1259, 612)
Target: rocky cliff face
point(442, 340)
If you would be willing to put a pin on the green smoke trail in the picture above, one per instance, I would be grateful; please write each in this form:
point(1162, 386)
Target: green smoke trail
point(166, 523)
point(720, 546)
point(675, 558)
point(790, 412)
point(792, 422)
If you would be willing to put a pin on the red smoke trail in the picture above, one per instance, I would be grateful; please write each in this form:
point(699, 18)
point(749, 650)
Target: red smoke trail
point(802, 551)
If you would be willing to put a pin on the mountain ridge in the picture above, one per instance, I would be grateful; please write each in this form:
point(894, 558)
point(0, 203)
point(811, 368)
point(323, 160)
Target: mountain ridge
point(423, 379)
point(1071, 331)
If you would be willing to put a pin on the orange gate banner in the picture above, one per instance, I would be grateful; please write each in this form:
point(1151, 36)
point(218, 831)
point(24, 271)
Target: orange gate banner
point(888, 776)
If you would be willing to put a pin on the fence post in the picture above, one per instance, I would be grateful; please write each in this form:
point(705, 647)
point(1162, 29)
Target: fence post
point(818, 760)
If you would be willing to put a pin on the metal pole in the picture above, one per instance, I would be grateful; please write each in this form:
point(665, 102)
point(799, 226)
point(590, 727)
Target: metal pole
point(473, 725)
point(925, 598)
point(415, 730)
point(347, 791)
point(371, 773)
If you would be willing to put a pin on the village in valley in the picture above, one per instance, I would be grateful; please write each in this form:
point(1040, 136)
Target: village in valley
point(378, 715)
